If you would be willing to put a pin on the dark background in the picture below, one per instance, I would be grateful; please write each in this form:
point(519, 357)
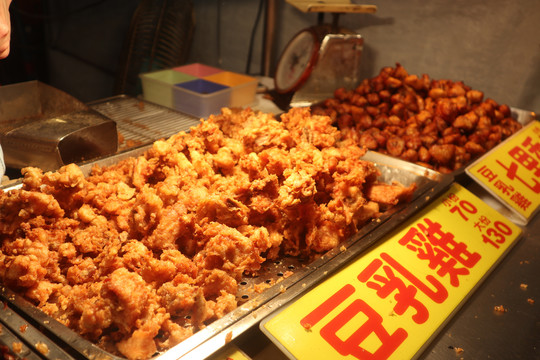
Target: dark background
point(79, 45)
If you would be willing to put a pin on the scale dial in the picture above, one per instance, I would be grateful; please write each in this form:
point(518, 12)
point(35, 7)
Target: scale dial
point(297, 61)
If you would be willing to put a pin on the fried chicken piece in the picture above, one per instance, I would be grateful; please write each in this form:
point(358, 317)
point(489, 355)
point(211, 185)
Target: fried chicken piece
point(443, 154)
point(385, 194)
point(224, 304)
point(128, 292)
point(313, 129)
point(173, 224)
point(227, 249)
point(138, 256)
point(191, 303)
point(297, 188)
point(24, 205)
point(141, 344)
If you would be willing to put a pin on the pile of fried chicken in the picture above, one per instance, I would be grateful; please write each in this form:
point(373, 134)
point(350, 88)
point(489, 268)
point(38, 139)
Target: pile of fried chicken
point(439, 124)
point(138, 256)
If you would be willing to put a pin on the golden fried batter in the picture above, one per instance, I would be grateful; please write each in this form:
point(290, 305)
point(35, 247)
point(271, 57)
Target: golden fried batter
point(140, 255)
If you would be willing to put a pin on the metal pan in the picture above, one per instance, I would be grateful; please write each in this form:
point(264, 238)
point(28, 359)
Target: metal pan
point(282, 280)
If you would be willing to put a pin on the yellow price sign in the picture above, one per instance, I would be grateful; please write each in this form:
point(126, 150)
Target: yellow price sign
point(512, 172)
point(388, 303)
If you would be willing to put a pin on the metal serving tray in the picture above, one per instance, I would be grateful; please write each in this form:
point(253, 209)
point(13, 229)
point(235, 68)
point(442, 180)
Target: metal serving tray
point(282, 280)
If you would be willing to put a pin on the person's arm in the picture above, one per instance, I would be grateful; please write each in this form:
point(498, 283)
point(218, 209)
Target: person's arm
point(2, 165)
point(5, 28)
point(5, 39)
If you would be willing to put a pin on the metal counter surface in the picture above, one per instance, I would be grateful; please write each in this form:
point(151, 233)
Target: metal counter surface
point(477, 330)
point(483, 333)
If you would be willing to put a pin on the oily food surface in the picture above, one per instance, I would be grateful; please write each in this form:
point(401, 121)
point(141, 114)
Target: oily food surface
point(138, 256)
point(439, 124)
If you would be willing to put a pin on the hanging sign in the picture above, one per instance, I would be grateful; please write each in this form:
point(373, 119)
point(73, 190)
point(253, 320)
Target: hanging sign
point(389, 302)
point(511, 172)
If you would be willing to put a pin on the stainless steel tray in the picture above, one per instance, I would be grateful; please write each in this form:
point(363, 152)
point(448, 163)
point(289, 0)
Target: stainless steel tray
point(304, 276)
point(283, 279)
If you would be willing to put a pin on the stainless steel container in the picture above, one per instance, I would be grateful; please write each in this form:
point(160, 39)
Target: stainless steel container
point(44, 127)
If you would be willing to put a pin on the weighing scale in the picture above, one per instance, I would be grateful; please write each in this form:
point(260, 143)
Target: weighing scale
point(321, 58)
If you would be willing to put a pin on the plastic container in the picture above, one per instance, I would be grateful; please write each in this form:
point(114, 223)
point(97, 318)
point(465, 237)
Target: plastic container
point(243, 87)
point(201, 97)
point(158, 85)
point(197, 70)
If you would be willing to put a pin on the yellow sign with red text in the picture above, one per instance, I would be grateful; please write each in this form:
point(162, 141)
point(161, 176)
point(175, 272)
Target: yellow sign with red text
point(388, 302)
point(512, 171)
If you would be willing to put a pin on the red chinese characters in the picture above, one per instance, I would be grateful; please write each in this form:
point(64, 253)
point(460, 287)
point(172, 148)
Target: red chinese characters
point(352, 345)
point(520, 200)
point(440, 249)
point(405, 294)
point(526, 157)
point(482, 223)
point(387, 277)
point(487, 173)
point(355, 324)
point(504, 187)
point(389, 342)
point(521, 166)
point(494, 233)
